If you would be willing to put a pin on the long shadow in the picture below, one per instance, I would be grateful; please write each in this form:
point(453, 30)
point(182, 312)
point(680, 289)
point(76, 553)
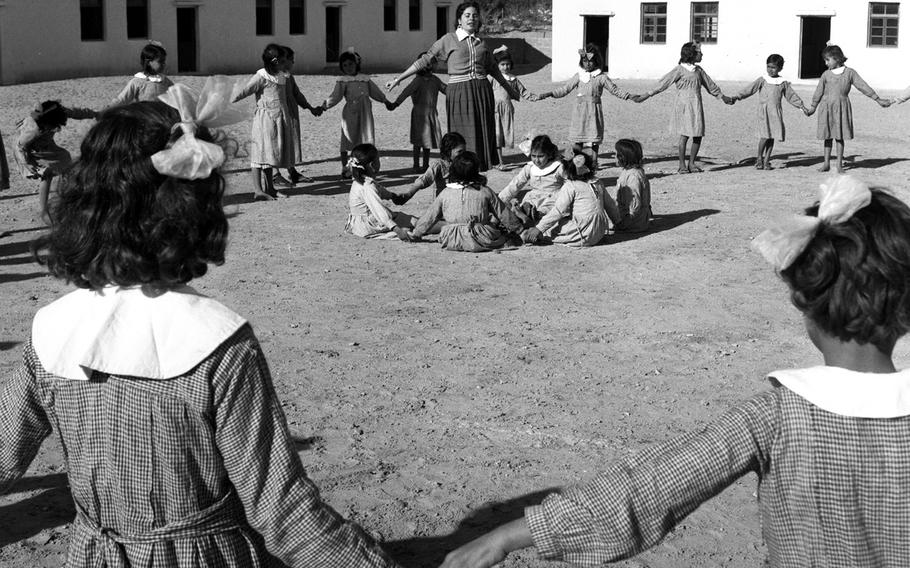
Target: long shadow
point(7, 345)
point(5, 196)
point(430, 551)
point(659, 223)
point(872, 163)
point(49, 509)
point(4, 278)
point(815, 160)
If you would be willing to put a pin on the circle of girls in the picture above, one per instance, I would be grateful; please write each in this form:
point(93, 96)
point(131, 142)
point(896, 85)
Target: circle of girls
point(555, 198)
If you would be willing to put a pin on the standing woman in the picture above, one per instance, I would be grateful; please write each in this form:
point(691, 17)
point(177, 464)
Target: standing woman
point(469, 98)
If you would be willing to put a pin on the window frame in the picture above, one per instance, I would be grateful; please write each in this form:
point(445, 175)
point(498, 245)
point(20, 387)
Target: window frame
point(655, 24)
point(270, 21)
point(704, 15)
point(886, 18)
point(83, 16)
point(390, 8)
point(301, 30)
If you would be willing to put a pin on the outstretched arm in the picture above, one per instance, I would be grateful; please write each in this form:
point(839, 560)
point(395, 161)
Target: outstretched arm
point(334, 98)
point(865, 89)
point(792, 97)
point(751, 89)
point(613, 88)
point(562, 91)
point(253, 85)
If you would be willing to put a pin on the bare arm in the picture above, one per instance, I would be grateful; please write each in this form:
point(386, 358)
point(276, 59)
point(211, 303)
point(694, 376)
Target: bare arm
point(336, 96)
point(253, 85)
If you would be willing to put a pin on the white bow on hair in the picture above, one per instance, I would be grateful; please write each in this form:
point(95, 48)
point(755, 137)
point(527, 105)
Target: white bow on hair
point(188, 157)
point(840, 198)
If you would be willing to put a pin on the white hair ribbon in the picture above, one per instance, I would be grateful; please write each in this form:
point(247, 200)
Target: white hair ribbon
point(840, 198)
point(188, 157)
point(501, 49)
point(355, 164)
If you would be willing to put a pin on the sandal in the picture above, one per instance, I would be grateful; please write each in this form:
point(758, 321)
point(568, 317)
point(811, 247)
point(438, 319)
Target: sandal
point(683, 171)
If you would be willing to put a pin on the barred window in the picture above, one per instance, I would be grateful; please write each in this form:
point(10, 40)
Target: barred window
point(264, 17)
point(654, 22)
point(137, 19)
point(390, 15)
point(296, 17)
point(704, 21)
point(883, 17)
point(91, 20)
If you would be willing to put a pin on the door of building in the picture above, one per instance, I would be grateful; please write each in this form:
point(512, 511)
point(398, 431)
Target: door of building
point(187, 49)
point(443, 25)
point(597, 31)
point(815, 31)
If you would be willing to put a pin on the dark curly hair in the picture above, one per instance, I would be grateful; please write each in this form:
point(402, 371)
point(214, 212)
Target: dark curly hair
point(853, 280)
point(118, 221)
point(151, 52)
point(465, 169)
point(688, 53)
point(542, 143)
point(598, 56)
point(450, 141)
point(836, 52)
point(271, 57)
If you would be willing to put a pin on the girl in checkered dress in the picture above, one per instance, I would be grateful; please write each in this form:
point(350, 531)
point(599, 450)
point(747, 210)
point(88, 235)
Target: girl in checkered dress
point(177, 450)
point(829, 443)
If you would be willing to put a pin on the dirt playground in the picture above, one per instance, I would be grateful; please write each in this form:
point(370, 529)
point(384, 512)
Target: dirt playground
point(432, 394)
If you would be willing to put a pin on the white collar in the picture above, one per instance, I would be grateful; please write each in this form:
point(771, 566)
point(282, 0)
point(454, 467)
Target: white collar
point(281, 78)
point(688, 66)
point(850, 393)
point(151, 78)
point(585, 76)
point(773, 80)
point(508, 77)
point(358, 78)
point(461, 35)
point(546, 170)
point(839, 70)
point(124, 331)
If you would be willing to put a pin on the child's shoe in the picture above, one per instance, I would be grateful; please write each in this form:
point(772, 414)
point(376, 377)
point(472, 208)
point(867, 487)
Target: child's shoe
point(279, 181)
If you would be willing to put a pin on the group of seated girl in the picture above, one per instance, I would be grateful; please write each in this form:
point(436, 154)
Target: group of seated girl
point(554, 198)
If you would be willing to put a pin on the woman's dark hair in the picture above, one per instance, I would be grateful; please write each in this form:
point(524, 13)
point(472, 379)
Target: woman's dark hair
point(835, 52)
point(270, 57)
point(348, 56)
point(50, 115)
point(776, 59)
point(365, 154)
point(598, 56)
point(853, 280)
point(628, 153)
point(688, 53)
point(150, 53)
point(465, 169)
point(464, 6)
point(116, 220)
point(450, 141)
point(542, 143)
point(571, 169)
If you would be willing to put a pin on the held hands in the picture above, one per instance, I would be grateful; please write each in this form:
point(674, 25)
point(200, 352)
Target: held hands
point(884, 103)
point(530, 236)
point(639, 98)
point(316, 111)
point(403, 234)
point(389, 105)
point(808, 111)
point(491, 548)
point(727, 100)
point(399, 198)
point(392, 84)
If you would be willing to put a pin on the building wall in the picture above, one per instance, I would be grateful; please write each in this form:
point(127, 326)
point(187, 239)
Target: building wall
point(747, 34)
point(226, 37)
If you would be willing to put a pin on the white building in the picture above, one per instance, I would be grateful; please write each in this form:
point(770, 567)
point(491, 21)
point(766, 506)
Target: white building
point(56, 39)
point(642, 39)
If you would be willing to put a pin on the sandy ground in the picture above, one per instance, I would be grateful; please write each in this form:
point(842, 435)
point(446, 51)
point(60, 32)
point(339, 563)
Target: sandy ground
point(434, 394)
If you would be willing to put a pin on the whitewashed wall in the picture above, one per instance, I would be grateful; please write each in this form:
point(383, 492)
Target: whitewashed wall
point(747, 33)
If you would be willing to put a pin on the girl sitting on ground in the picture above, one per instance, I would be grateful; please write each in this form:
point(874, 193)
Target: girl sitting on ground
point(583, 209)
point(437, 173)
point(369, 218)
point(633, 190)
point(470, 213)
point(829, 443)
point(532, 191)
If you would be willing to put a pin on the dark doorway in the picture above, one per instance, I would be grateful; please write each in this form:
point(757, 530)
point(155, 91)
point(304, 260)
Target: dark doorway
point(332, 33)
point(442, 21)
point(597, 31)
point(814, 35)
point(187, 52)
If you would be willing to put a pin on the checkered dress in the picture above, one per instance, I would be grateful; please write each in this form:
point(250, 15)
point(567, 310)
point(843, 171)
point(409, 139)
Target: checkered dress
point(834, 490)
point(194, 471)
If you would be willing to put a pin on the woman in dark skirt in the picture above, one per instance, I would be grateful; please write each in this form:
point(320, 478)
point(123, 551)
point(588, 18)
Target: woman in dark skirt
point(469, 97)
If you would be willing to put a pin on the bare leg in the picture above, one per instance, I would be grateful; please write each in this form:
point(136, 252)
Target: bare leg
point(426, 158)
point(683, 142)
point(826, 164)
point(345, 171)
point(44, 190)
point(258, 194)
point(269, 185)
point(760, 157)
point(840, 156)
point(596, 149)
point(769, 146)
point(501, 166)
point(416, 155)
point(696, 145)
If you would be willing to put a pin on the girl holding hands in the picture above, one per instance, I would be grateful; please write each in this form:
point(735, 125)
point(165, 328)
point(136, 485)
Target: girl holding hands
point(832, 101)
point(426, 131)
point(688, 112)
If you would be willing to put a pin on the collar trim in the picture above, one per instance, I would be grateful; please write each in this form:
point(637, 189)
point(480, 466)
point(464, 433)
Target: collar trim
point(850, 393)
point(546, 170)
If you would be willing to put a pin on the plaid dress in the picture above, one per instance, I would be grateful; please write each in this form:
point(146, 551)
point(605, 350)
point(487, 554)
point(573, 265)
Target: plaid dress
point(834, 489)
point(193, 471)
